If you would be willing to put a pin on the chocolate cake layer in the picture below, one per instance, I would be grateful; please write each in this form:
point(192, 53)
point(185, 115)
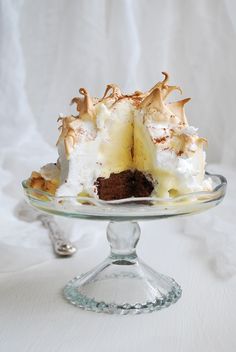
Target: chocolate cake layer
point(142, 187)
point(125, 184)
point(117, 186)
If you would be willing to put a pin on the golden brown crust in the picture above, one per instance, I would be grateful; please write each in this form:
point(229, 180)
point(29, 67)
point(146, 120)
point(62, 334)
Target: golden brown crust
point(36, 181)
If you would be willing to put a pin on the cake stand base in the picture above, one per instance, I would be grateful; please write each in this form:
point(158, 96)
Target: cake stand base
point(122, 284)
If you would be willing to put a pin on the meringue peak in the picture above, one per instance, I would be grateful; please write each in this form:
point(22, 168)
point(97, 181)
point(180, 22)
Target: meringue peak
point(85, 106)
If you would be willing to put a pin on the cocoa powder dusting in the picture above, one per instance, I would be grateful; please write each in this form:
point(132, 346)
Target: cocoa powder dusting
point(160, 140)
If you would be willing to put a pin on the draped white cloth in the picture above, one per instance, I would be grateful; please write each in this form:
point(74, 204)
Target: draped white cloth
point(48, 50)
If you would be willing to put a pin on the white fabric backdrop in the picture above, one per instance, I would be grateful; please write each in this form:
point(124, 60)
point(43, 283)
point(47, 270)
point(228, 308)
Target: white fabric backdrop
point(69, 44)
point(50, 48)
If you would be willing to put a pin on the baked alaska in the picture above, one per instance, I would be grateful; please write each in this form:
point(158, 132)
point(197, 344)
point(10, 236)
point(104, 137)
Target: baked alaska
point(122, 146)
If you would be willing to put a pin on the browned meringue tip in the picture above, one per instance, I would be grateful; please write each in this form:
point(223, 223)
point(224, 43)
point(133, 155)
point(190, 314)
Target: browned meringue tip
point(138, 92)
point(165, 89)
point(85, 105)
point(77, 101)
point(168, 89)
point(67, 133)
point(153, 100)
point(180, 102)
point(166, 78)
point(115, 91)
point(177, 108)
point(59, 118)
point(83, 91)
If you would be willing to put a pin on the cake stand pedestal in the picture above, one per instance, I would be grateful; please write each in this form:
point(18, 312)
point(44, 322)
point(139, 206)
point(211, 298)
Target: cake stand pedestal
point(122, 283)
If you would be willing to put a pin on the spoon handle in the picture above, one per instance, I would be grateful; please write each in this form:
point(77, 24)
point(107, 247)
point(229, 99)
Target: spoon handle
point(61, 245)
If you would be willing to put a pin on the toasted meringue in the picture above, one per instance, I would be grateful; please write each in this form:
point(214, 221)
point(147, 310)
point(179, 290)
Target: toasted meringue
point(121, 132)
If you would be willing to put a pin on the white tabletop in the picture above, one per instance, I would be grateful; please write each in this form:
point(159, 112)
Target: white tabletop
point(35, 317)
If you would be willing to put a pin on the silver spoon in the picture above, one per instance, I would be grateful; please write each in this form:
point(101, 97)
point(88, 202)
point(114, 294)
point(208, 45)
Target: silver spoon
point(62, 246)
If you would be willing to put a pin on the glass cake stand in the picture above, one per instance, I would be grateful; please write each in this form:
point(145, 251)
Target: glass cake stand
point(122, 283)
